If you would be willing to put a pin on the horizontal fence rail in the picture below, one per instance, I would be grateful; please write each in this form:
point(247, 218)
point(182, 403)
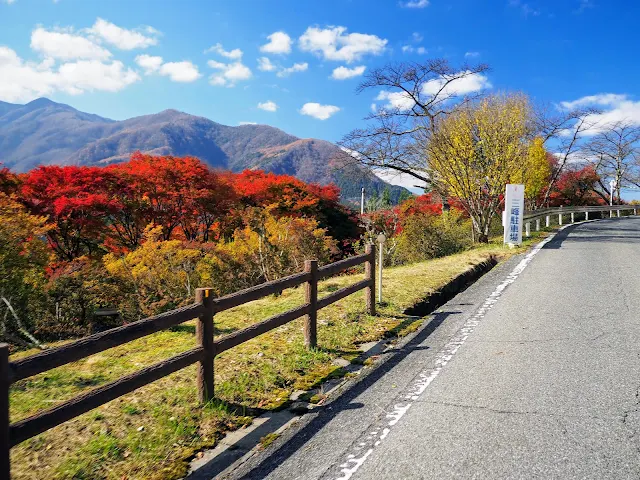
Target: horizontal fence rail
point(533, 214)
point(56, 357)
point(204, 309)
point(547, 213)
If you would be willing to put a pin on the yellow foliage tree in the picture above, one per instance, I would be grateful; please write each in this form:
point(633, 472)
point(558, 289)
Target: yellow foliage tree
point(279, 246)
point(163, 274)
point(535, 173)
point(23, 256)
point(477, 150)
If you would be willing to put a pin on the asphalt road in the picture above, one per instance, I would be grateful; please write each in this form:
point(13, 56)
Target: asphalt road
point(533, 372)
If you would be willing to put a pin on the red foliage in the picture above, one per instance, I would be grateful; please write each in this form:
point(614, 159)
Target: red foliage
point(576, 187)
point(97, 208)
point(171, 192)
point(286, 195)
point(74, 201)
point(282, 193)
point(424, 204)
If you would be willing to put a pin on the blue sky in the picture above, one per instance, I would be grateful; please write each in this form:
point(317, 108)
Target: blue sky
point(553, 50)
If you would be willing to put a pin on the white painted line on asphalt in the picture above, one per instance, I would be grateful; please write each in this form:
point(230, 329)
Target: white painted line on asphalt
point(353, 461)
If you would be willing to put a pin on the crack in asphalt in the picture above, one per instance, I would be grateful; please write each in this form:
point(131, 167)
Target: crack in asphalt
point(519, 412)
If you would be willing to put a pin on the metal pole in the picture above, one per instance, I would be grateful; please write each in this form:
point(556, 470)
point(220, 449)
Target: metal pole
point(586, 215)
point(618, 213)
point(537, 224)
point(559, 219)
point(572, 218)
point(362, 202)
point(548, 221)
point(527, 229)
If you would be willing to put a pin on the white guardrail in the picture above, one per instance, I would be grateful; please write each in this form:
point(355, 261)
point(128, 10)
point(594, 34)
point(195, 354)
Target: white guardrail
point(547, 213)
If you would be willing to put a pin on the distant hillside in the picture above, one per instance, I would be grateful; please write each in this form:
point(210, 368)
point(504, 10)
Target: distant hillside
point(43, 132)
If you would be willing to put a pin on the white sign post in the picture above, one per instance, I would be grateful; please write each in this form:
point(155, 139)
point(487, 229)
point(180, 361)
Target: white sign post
point(513, 212)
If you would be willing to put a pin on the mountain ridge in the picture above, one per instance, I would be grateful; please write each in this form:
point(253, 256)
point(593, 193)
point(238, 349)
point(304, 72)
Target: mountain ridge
point(43, 132)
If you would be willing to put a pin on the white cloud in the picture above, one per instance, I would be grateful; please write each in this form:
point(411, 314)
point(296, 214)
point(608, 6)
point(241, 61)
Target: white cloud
point(88, 75)
point(471, 54)
point(296, 67)
point(416, 4)
point(279, 42)
point(121, 37)
point(321, 112)
point(613, 107)
point(343, 73)
point(230, 73)
point(602, 100)
point(334, 43)
point(235, 54)
point(24, 81)
point(399, 100)
point(401, 179)
point(268, 106)
point(149, 63)
point(412, 49)
point(183, 72)
point(584, 6)
point(461, 86)
point(417, 37)
point(66, 45)
point(525, 8)
point(265, 65)
point(9, 2)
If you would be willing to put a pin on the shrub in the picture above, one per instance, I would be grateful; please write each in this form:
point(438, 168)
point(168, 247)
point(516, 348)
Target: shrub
point(431, 236)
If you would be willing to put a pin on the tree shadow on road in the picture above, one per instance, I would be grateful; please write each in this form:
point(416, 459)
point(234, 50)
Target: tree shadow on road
point(607, 230)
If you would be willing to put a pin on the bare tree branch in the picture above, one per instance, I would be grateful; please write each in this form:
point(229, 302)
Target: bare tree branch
point(417, 95)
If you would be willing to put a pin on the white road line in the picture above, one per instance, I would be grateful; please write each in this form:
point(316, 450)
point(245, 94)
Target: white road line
point(356, 458)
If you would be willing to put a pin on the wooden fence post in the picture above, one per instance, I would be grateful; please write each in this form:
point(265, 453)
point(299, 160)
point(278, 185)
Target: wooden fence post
point(5, 462)
point(311, 297)
point(370, 275)
point(204, 335)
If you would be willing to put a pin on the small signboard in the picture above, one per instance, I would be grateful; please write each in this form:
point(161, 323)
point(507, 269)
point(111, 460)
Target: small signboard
point(514, 209)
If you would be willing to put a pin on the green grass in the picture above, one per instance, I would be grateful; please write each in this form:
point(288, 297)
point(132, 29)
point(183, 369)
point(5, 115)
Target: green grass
point(153, 432)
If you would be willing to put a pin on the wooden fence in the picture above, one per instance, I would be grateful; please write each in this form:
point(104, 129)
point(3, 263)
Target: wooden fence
point(204, 309)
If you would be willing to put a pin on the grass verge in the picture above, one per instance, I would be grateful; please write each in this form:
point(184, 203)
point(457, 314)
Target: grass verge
point(153, 432)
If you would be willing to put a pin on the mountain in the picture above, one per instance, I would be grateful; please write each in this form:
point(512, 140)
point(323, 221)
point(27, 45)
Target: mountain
point(44, 132)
